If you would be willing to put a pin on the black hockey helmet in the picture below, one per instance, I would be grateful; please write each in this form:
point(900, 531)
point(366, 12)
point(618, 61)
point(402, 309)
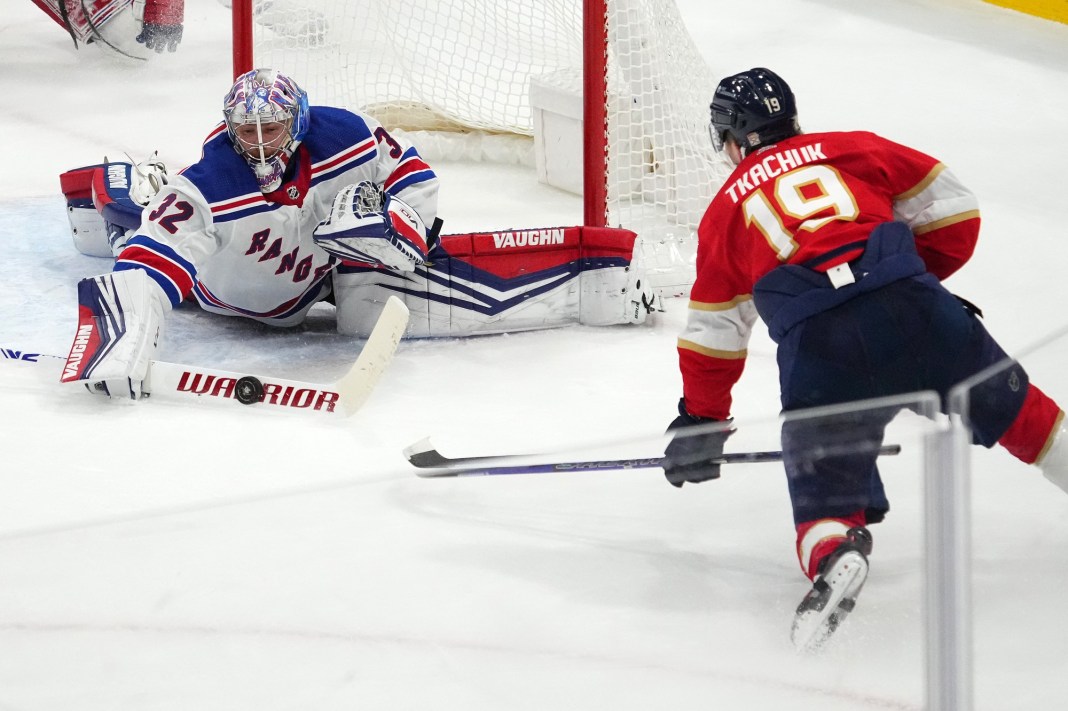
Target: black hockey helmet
point(756, 107)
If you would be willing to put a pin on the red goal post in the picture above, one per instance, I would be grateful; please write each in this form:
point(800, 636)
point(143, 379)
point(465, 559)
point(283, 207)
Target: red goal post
point(541, 81)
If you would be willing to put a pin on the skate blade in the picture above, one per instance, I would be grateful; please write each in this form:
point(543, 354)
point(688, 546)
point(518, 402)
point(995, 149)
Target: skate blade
point(814, 625)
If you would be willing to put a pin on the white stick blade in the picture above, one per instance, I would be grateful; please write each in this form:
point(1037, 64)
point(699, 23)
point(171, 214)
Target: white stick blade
point(356, 385)
point(416, 448)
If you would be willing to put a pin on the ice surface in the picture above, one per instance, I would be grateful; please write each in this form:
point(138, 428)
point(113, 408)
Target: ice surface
point(165, 556)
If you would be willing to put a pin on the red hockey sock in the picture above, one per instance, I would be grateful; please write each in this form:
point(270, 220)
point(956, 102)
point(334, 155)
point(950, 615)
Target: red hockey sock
point(818, 539)
point(1031, 433)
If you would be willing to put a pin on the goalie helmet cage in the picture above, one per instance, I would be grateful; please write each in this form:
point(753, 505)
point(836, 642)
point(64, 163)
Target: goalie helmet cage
point(457, 77)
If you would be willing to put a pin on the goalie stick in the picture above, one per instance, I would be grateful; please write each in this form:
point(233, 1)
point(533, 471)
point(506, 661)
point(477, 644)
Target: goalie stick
point(432, 464)
point(174, 381)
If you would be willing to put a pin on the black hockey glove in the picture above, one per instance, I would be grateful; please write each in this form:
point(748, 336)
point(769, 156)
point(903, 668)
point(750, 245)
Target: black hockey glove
point(160, 37)
point(687, 457)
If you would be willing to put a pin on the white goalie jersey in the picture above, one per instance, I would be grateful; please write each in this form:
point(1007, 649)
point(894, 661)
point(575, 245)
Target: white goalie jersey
point(212, 234)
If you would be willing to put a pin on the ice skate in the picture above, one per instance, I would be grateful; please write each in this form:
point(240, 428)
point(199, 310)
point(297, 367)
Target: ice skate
point(834, 593)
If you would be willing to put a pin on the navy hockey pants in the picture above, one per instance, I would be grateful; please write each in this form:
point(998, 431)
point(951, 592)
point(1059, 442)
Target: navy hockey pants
point(907, 335)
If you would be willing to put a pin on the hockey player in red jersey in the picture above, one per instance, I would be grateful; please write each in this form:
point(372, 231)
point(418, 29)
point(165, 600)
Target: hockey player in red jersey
point(158, 22)
point(839, 243)
point(291, 205)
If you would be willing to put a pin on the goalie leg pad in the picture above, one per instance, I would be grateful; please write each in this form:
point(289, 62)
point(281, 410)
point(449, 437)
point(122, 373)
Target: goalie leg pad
point(518, 280)
point(617, 295)
point(120, 324)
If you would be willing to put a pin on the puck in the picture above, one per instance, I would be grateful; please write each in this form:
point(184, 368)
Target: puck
point(248, 390)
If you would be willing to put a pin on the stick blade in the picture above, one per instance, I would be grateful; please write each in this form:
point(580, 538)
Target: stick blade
point(356, 385)
point(424, 454)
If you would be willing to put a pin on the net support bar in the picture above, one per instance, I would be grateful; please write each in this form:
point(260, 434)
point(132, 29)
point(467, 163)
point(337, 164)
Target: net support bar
point(241, 17)
point(947, 522)
point(595, 117)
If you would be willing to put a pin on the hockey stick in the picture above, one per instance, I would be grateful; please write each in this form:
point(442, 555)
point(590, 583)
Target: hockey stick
point(174, 381)
point(65, 14)
point(432, 464)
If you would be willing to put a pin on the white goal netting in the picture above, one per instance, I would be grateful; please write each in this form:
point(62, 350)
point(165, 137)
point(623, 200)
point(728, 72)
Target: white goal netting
point(464, 69)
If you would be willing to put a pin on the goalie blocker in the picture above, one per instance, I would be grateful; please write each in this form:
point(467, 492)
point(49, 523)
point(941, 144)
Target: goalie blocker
point(105, 201)
point(512, 280)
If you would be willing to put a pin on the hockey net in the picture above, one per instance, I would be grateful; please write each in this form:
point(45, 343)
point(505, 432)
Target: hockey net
point(457, 76)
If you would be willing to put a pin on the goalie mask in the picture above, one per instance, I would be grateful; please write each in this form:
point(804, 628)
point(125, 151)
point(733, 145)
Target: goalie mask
point(266, 116)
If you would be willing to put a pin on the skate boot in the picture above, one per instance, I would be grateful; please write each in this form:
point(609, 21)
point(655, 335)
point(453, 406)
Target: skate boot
point(834, 593)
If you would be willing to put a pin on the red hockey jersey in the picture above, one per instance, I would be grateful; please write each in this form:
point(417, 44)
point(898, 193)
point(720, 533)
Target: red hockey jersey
point(811, 200)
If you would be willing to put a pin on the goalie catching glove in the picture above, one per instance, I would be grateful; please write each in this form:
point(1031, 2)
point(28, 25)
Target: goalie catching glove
point(367, 225)
point(120, 324)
